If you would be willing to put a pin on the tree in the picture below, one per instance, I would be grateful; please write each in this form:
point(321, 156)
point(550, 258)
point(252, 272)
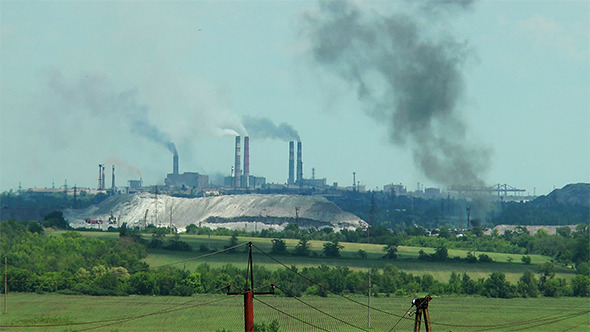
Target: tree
point(581, 285)
point(390, 251)
point(547, 272)
point(332, 249)
point(233, 241)
point(35, 227)
point(191, 229)
point(441, 254)
point(444, 233)
point(158, 238)
point(361, 253)
point(279, 247)
point(302, 248)
point(528, 285)
point(55, 219)
point(497, 286)
point(526, 260)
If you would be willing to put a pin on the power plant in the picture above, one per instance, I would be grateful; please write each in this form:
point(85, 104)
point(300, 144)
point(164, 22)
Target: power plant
point(240, 179)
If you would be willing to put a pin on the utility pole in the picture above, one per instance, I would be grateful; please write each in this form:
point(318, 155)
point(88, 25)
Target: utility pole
point(249, 295)
point(422, 309)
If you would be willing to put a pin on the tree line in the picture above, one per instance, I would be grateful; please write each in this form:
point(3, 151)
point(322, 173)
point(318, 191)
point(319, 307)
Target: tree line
point(567, 246)
point(73, 264)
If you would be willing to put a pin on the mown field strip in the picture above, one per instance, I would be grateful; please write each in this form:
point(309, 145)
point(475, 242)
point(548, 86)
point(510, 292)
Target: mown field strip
point(218, 312)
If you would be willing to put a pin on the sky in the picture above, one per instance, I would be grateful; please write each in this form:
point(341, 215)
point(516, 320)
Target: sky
point(435, 93)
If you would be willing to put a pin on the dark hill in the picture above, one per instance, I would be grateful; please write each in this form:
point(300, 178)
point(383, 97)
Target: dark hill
point(575, 194)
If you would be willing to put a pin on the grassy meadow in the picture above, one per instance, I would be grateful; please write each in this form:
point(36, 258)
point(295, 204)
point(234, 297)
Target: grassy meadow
point(56, 312)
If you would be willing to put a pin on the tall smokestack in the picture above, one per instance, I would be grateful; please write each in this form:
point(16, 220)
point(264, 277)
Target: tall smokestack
point(99, 176)
point(113, 180)
point(246, 162)
point(291, 163)
point(103, 187)
point(299, 163)
point(237, 167)
point(175, 164)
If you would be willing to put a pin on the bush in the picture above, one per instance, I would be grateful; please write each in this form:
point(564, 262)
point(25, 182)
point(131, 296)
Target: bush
point(390, 251)
point(526, 260)
point(279, 247)
point(332, 249)
point(361, 253)
point(483, 258)
point(303, 248)
point(178, 246)
point(581, 285)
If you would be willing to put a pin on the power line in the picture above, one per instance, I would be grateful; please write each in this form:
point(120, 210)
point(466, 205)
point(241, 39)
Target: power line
point(291, 316)
point(326, 288)
point(325, 313)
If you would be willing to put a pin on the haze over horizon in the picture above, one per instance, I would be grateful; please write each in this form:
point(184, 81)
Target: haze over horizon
point(502, 90)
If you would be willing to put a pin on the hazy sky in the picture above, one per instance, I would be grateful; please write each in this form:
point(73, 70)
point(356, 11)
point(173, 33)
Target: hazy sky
point(89, 82)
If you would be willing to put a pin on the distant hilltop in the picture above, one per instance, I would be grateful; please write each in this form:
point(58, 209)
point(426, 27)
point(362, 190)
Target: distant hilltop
point(576, 194)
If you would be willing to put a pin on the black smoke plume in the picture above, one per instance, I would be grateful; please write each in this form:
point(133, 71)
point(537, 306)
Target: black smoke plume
point(259, 127)
point(408, 78)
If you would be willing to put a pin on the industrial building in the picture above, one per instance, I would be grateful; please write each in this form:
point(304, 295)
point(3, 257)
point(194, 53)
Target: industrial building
point(186, 180)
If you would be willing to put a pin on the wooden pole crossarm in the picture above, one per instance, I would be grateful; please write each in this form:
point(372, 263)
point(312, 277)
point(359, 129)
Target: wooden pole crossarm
point(422, 310)
point(249, 295)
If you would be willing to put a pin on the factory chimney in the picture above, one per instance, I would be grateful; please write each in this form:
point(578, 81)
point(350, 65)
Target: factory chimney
point(103, 187)
point(99, 176)
point(291, 179)
point(237, 167)
point(246, 162)
point(175, 164)
point(299, 164)
point(113, 180)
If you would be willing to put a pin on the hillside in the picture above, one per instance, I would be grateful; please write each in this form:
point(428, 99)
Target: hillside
point(231, 211)
point(575, 194)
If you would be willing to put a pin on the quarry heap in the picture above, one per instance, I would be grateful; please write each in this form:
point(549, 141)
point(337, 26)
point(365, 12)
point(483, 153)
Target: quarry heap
point(249, 212)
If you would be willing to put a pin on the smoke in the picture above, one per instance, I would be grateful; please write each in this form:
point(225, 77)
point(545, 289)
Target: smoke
point(120, 164)
point(96, 95)
point(259, 127)
point(409, 78)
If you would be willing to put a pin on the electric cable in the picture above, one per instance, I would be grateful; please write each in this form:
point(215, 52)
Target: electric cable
point(325, 313)
point(291, 316)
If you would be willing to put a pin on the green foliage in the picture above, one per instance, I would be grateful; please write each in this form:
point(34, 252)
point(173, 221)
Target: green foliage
point(441, 254)
point(483, 258)
point(55, 219)
point(332, 249)
point(528, 285)
point(497, 286)
point(526, 260)
point(233, 241)
point(390, 251)
point(191, 229)
point(270, 327)
point(361, 253)
point(303, 248)
point(35, 227)
point(581, 285)
point(279, 247)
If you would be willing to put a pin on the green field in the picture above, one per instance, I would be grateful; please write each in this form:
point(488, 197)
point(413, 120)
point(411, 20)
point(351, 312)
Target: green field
point(55, 312)
point(407, 261)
